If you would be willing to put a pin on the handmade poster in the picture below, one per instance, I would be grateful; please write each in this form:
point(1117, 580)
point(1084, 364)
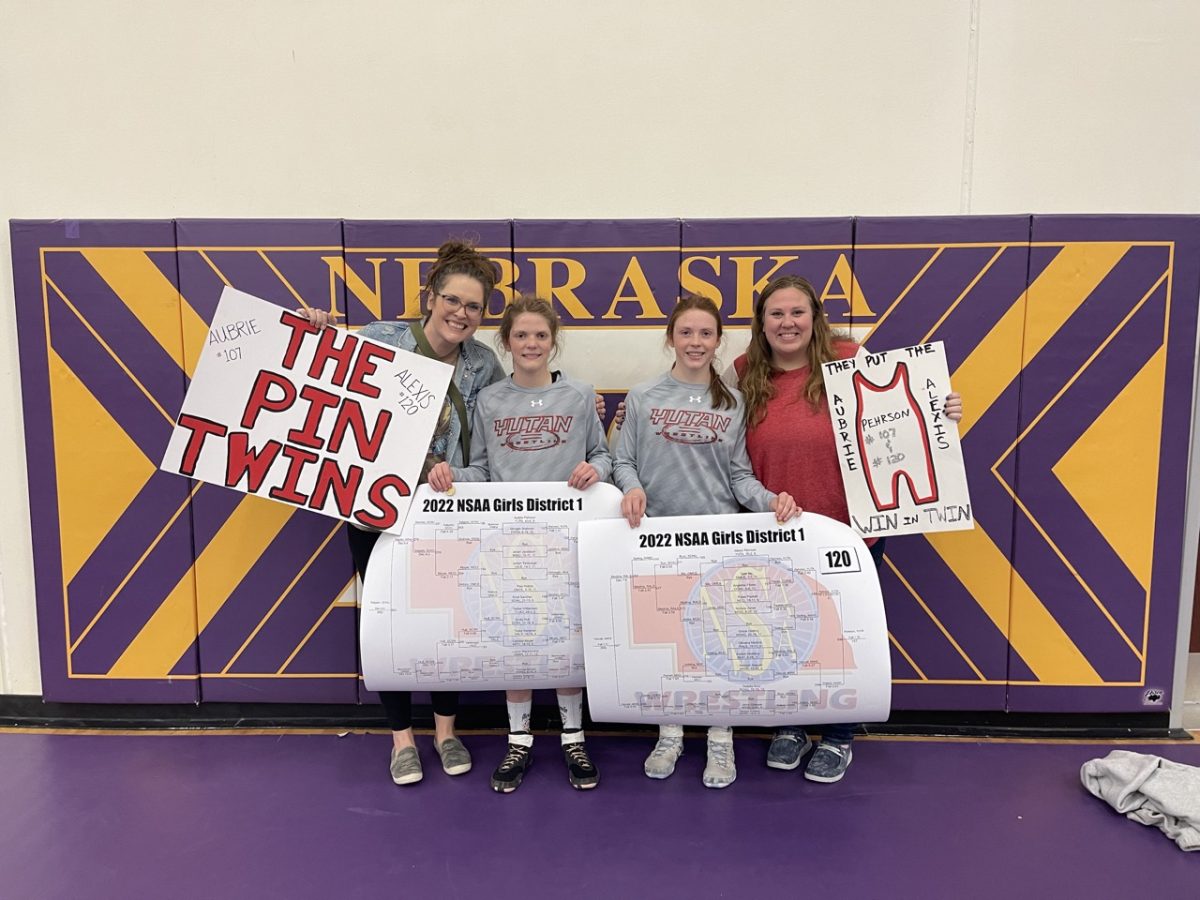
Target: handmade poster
point(901, 461)
point(315, 418)
point(481, 589)
point(734, 620)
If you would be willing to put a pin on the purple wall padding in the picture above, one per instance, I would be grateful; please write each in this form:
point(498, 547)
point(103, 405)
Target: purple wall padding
point(1065, 335)
point(583, 266)
point(1113, 333)
point(113, 379)
point(733, 259)
point(951, 280)
point(285, 632)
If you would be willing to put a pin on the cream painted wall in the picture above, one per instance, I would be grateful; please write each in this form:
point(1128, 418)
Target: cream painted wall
point(535, 108)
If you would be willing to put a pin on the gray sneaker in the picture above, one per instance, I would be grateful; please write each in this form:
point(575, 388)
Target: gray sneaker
point(720, 771)
point(788, 747)
point(456, 760)
point(829, 762)
point(406, 766)
point(661, 761)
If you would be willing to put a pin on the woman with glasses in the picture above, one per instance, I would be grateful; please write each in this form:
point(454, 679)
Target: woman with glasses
point(455, 298)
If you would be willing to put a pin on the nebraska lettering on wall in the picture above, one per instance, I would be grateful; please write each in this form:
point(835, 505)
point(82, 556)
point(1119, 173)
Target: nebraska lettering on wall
point(315, 418)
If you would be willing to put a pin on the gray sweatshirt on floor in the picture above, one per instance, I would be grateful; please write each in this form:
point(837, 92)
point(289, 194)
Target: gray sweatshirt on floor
point(535, 434)
point(688, 457)
point(1150, 790)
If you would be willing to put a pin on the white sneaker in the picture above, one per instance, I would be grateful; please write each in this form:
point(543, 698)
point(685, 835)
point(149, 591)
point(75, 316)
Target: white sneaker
point(720, 771)
point(661, 761)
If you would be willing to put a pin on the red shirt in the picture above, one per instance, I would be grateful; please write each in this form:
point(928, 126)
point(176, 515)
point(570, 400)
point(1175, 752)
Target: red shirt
point(792, 448)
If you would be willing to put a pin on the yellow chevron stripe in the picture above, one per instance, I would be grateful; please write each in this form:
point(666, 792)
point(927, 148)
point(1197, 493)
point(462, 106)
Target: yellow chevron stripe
point(1053, 296)
point(107, 349)
point(1063, 286)
point(164, 638)
point(993, 583)
point(990, 369)
point(98, 467)
point(243, 538)
point(1042, 643)
point(135, 567)
point(1130, 424)
point(973, 556)
point(150, 296)
point(936, 621)
point(335, 529)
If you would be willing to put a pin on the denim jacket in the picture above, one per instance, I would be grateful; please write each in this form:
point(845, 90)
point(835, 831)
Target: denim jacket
point(477, 368)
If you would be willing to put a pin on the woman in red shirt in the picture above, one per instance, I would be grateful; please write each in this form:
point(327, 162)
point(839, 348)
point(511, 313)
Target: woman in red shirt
point(789, 436)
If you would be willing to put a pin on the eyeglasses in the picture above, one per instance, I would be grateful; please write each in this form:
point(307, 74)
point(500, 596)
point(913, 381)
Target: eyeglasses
point(453, 304)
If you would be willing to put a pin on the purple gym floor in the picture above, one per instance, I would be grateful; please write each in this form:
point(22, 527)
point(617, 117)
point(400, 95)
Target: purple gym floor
point(212, 815)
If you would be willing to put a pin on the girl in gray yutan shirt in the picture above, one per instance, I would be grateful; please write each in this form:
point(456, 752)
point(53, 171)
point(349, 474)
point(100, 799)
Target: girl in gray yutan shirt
point(537, 425)
point(682, 452)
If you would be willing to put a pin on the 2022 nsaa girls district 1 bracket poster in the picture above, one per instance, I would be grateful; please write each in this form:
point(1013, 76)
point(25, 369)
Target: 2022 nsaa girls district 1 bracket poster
point(734, 619)
point(481, 589)
point(315, 418)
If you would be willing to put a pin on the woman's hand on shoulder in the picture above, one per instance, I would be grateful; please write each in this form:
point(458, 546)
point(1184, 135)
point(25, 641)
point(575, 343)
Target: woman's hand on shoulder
point(584, 476)
point(953, 407)
point(633, 507)
point(440, 477)
point(785, 507)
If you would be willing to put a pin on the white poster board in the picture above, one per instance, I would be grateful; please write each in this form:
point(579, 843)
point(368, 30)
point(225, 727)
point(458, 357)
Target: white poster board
point(901, 460)
point(480, 590)
point(315, 418)
point(732, 620)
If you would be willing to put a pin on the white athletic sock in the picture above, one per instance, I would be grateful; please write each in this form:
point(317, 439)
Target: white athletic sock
point(570, 707)
point(670, 731)
point(519, 714)
point(721, 733)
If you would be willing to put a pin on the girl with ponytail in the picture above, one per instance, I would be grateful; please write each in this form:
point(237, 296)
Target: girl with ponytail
point(682, 452)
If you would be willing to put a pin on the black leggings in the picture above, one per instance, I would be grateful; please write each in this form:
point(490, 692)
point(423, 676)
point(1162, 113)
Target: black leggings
point(397, 704)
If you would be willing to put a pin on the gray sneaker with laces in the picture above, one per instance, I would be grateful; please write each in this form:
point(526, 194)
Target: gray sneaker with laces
point(788, 747)
point(406, 766)
point(456, 760)
point(720, 771)
point(829, 762)
point(661, 761)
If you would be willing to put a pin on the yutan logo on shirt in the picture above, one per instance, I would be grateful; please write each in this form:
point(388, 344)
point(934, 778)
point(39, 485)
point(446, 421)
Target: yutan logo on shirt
point(533, 432)
point(689, 426)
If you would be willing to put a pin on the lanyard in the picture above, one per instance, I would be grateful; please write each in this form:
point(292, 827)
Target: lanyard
point(455, 395)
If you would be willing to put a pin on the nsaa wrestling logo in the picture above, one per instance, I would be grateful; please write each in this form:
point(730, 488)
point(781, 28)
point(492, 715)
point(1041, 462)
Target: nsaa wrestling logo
point(533, 432)
point(689, 426)
point(751, 620)
point(517, 586)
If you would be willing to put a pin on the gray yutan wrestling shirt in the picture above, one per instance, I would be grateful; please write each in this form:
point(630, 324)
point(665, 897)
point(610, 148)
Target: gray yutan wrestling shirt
point(535, 434)
point(688, 457)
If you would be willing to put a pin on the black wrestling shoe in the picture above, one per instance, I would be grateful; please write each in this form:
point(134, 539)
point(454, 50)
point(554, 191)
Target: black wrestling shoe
point(508, 775)
point(580, 771)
